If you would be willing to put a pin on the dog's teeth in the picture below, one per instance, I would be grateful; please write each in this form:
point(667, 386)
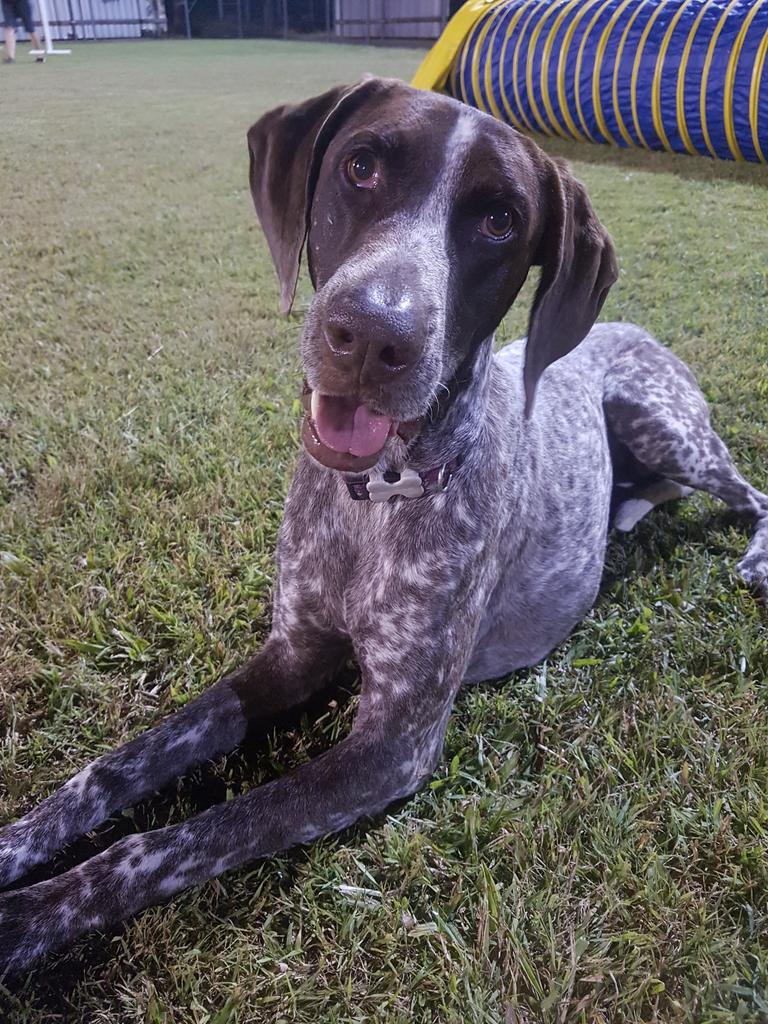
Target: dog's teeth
point(314, 402)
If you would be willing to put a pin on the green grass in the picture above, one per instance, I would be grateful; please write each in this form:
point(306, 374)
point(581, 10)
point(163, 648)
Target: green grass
point(594, 847)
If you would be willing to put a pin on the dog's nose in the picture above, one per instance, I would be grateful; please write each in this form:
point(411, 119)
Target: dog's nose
point(375, 334)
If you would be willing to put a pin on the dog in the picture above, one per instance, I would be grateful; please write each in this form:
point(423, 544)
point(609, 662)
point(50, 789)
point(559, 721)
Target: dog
point(448, 515)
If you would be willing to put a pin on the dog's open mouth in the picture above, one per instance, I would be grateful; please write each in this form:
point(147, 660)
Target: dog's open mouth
point(343, 433)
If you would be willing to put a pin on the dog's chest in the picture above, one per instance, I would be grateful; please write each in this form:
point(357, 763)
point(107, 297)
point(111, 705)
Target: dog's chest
point(391, 568)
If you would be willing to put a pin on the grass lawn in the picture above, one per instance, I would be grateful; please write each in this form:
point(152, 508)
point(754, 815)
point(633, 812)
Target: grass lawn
point(594, 846)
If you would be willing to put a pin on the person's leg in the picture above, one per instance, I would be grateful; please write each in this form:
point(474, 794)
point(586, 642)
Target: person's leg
point(9, 31)
point(10, 43)
point(25, 13)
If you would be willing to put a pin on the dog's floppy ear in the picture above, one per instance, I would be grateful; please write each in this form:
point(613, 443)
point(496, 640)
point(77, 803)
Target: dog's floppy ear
point(286, 149)
point(578, 267)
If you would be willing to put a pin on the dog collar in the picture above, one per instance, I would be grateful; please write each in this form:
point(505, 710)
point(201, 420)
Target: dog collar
point(408, 484)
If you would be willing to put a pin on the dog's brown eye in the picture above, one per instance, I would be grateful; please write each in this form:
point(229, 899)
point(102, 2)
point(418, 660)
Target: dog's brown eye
point(498, 222)
point(363, 170)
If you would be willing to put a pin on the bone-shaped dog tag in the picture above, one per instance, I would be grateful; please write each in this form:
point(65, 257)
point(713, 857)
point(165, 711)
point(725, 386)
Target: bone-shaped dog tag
point(408, 486)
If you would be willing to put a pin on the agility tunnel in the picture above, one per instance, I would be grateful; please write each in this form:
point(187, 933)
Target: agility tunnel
point(687, 76)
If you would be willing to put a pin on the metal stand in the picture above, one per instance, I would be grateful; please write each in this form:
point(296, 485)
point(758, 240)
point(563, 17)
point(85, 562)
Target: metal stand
point(43, 5)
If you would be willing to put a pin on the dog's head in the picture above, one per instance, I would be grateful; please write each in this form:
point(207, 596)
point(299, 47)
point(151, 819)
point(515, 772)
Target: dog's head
point(421, 217)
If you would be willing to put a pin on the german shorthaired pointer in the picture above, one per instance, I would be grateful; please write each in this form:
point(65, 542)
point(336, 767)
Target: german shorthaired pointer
point(441, 524)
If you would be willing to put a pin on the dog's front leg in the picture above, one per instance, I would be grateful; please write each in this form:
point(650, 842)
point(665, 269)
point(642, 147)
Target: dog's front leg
point(390, 751)
point(283, 675)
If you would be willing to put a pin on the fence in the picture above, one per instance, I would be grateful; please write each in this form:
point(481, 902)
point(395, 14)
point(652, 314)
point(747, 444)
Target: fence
point(372, 21)
point(104, 19)
point(390, 20)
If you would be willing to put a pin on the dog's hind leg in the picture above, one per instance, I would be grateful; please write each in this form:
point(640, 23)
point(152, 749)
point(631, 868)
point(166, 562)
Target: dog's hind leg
point(654, 407)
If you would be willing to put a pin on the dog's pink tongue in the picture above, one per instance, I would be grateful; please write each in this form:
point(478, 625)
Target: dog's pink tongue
point(347, 427)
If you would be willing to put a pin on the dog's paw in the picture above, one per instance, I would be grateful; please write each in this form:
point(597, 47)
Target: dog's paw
point(630, 512)
point(753, 569)
point(15, 848)
point(12, 858)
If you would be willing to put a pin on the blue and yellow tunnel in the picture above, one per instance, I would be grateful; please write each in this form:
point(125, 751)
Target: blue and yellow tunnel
point(688, 76)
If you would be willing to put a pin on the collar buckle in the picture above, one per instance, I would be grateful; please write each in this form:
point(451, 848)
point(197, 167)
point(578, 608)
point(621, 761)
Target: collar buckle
point(444, 477)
